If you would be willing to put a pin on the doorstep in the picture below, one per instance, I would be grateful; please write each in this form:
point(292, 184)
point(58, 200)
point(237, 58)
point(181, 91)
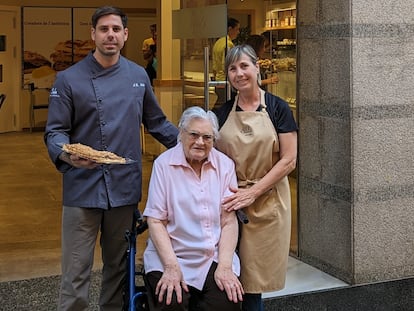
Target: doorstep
point(301, 278)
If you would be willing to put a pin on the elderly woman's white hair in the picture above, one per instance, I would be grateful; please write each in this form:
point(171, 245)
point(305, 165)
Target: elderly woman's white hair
point(196, 112)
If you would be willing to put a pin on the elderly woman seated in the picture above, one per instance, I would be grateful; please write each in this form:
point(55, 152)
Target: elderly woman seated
point(190, 259)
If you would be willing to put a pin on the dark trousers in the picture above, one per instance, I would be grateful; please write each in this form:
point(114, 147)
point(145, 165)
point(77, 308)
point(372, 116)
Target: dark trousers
point(208, 299)
point(80, 228)
point(252, 302)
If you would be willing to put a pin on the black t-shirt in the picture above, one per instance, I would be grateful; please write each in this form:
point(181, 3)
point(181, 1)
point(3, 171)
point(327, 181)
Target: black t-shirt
point(279, 112)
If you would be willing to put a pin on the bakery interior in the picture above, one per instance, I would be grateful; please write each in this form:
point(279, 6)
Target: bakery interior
point(30, 192)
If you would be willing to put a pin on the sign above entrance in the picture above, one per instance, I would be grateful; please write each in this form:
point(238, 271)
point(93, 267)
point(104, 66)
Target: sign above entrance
point(200, 22)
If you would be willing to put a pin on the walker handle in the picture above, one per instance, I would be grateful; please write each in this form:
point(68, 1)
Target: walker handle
point(241, 215)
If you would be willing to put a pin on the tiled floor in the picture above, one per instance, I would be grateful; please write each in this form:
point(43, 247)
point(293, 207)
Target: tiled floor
point(30, 211)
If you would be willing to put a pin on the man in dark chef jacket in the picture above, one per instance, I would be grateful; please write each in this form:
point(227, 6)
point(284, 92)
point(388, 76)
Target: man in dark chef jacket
point(101, 102)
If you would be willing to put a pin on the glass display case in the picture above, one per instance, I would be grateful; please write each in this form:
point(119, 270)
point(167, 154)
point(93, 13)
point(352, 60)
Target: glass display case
point(280, 28)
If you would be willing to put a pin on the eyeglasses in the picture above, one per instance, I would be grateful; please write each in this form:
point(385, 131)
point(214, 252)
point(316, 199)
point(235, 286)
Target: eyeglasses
point(207, 138)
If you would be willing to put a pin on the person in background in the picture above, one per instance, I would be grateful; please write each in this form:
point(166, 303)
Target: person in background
point(149, 50)
point(258, 43)
point(268, 44)
point(101, 102)
point(151, 40)
point(220, 49)
point(258, 131)
point(152, 63)
point(190, 260)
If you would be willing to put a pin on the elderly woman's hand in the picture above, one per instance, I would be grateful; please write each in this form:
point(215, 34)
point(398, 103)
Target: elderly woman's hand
point(228, 281)
point(170, 282)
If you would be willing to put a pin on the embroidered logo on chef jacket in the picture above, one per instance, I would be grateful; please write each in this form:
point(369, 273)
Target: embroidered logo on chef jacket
point(136, 84)
point(247, 130)
point(54, 92)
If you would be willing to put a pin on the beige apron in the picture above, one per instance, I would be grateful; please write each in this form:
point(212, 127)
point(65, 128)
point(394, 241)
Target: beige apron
point(250, 139)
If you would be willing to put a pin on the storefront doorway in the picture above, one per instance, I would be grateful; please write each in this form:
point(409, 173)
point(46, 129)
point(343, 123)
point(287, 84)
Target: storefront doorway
point(9, 63)
point(198, 28)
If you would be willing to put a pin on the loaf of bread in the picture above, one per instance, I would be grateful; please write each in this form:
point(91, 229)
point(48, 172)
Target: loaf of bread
point(86, 152)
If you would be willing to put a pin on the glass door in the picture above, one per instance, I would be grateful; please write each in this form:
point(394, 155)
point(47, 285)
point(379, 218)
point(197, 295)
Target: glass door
point(198, 24)
point(9, 76)
point(280, 31)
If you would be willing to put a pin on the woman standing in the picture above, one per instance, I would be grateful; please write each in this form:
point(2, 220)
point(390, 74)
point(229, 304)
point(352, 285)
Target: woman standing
point(258, 131)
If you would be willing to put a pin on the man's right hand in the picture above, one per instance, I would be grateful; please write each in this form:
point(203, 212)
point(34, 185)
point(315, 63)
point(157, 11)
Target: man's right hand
point(78, 162)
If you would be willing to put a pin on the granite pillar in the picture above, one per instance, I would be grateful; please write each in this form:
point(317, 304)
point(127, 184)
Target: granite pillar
point(356, 139)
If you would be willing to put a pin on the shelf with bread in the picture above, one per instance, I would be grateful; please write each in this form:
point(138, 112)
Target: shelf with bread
point(280, 16)
point(280, 28)
point(280, 24)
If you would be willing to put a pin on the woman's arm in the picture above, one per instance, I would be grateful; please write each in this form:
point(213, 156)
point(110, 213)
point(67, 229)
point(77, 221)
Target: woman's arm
point(286, 164)
point(224, 275)
point(172, 278)
point(271, 80)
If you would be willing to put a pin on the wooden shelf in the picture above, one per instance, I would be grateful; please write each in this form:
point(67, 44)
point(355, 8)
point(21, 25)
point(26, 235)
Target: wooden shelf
point(280, 17)
point(280, 28)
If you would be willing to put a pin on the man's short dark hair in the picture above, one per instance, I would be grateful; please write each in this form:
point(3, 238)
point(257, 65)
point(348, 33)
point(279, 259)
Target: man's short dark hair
point(108, 10)
point(232, 22)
